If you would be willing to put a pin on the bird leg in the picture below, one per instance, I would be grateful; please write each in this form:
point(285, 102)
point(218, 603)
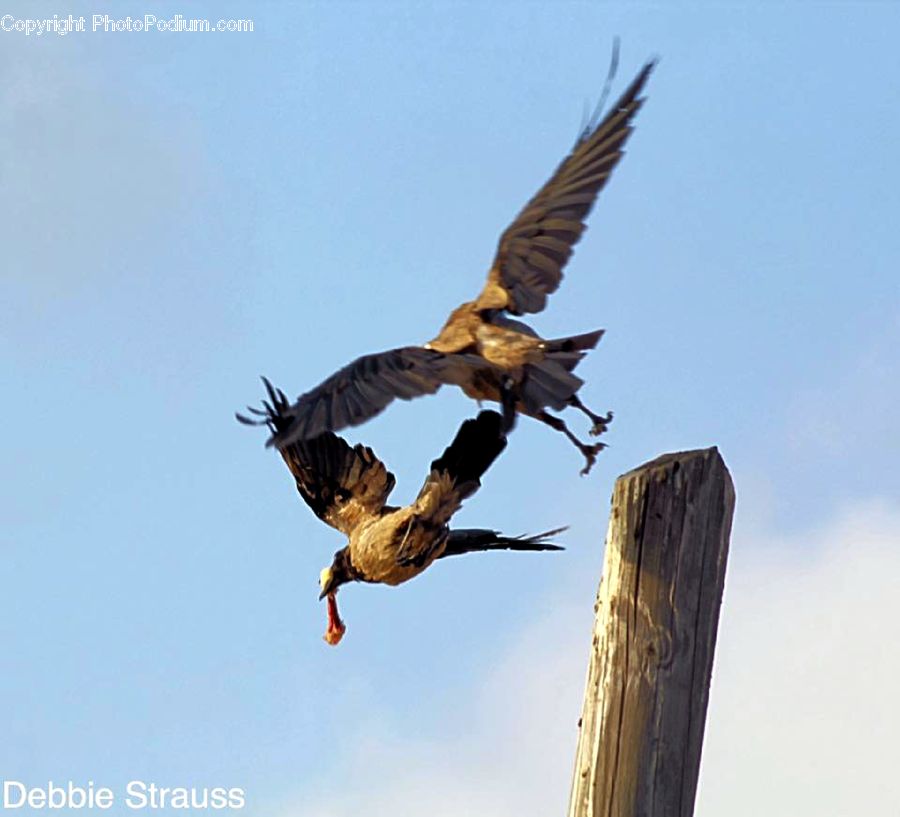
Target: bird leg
point(600, 422)
point(589, 451)
point(508, 400)
point(336, 627)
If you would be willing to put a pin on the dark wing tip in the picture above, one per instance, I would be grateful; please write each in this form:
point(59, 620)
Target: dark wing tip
point(591, 121)
point(272, 414)
point(357, 392)
point(248, 421)
point(535, 248)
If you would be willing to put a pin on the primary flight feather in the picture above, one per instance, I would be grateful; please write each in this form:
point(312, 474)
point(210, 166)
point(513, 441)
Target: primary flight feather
point(481, 346)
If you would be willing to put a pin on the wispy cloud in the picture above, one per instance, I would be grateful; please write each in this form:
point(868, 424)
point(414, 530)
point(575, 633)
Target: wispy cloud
point(90, 180)
point(801, 720)
point(120, 234)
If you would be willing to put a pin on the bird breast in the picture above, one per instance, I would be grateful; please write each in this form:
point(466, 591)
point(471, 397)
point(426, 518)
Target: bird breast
point(374, 547)
point(503, 342)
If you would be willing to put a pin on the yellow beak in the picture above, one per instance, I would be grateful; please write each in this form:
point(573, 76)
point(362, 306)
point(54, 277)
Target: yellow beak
point(326, 579)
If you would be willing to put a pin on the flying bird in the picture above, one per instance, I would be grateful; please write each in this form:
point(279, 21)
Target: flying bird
point(481, 345)
point(347, 487)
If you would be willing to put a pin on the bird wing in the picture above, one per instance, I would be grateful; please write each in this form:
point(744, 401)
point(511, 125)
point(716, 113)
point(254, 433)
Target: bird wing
point(343, 485)
point(363, 389)
point(536, 246)
point(453, 477)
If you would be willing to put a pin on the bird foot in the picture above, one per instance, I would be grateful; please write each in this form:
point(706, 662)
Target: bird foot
point(601, 424)
point(590, 454)
point(508, 400)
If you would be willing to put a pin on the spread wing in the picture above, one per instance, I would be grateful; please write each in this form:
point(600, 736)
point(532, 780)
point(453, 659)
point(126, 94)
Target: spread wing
point(363, 389)
point(343, 485)
point(536, 246)
point(453, 477)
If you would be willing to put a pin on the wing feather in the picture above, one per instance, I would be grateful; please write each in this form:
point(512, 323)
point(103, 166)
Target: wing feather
point(361, 390)
point(454, 476)
point(520, 278)
point(343, 485)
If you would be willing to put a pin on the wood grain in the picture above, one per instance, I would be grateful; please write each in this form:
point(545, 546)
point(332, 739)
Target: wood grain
point(657, 615)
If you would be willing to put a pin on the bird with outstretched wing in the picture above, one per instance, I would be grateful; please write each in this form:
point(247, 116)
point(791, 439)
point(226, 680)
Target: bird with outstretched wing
point(481, 346)
point(348, 487)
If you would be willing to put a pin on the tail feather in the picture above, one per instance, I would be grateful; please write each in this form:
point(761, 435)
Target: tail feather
point(547, 384)
point(569, 352)
point(574, 343)
point(568, 360)
point(551, 383)
point(472, 540)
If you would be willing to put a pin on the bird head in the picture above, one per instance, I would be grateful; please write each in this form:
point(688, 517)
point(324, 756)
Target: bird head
point(333, 576)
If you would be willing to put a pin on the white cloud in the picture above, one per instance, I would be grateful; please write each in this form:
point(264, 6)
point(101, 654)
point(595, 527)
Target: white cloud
point(802, 719)
point(510, 753)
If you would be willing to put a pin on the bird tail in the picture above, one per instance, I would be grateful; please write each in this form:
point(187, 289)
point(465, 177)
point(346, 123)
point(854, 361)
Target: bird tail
point(471, 540)
point(551, 383)
point(547, 384)
point(570, 350)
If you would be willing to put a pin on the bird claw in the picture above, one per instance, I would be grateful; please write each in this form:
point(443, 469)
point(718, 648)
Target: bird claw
point(601, 424)
point(590, 454)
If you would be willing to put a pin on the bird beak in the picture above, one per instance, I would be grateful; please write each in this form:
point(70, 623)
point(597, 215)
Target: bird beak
point(326, 582)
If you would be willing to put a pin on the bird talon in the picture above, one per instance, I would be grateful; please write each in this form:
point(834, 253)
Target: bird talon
point(590, 454)
point(591, 457)
point(601, 424)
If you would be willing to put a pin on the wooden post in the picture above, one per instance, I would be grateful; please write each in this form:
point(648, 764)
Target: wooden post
point(654, 637)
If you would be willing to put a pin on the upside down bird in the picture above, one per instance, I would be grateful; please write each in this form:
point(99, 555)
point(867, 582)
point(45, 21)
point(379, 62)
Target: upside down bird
point(480, 345)
point(347, 487)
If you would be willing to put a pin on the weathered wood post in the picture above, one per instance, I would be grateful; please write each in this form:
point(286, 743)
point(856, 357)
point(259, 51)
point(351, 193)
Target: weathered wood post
point(654, 637)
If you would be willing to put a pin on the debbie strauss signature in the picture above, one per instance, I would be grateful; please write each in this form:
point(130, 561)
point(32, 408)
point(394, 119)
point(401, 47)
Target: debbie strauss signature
point(136, 795)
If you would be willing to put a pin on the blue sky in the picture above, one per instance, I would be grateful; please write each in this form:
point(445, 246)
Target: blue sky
point(182, 213)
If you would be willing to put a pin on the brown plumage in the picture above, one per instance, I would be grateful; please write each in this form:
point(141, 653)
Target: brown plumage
point(347, 487)
point(480, 347)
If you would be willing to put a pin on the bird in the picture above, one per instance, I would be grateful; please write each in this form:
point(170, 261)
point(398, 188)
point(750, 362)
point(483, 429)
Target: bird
point(481, 345)
point(347, 487)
